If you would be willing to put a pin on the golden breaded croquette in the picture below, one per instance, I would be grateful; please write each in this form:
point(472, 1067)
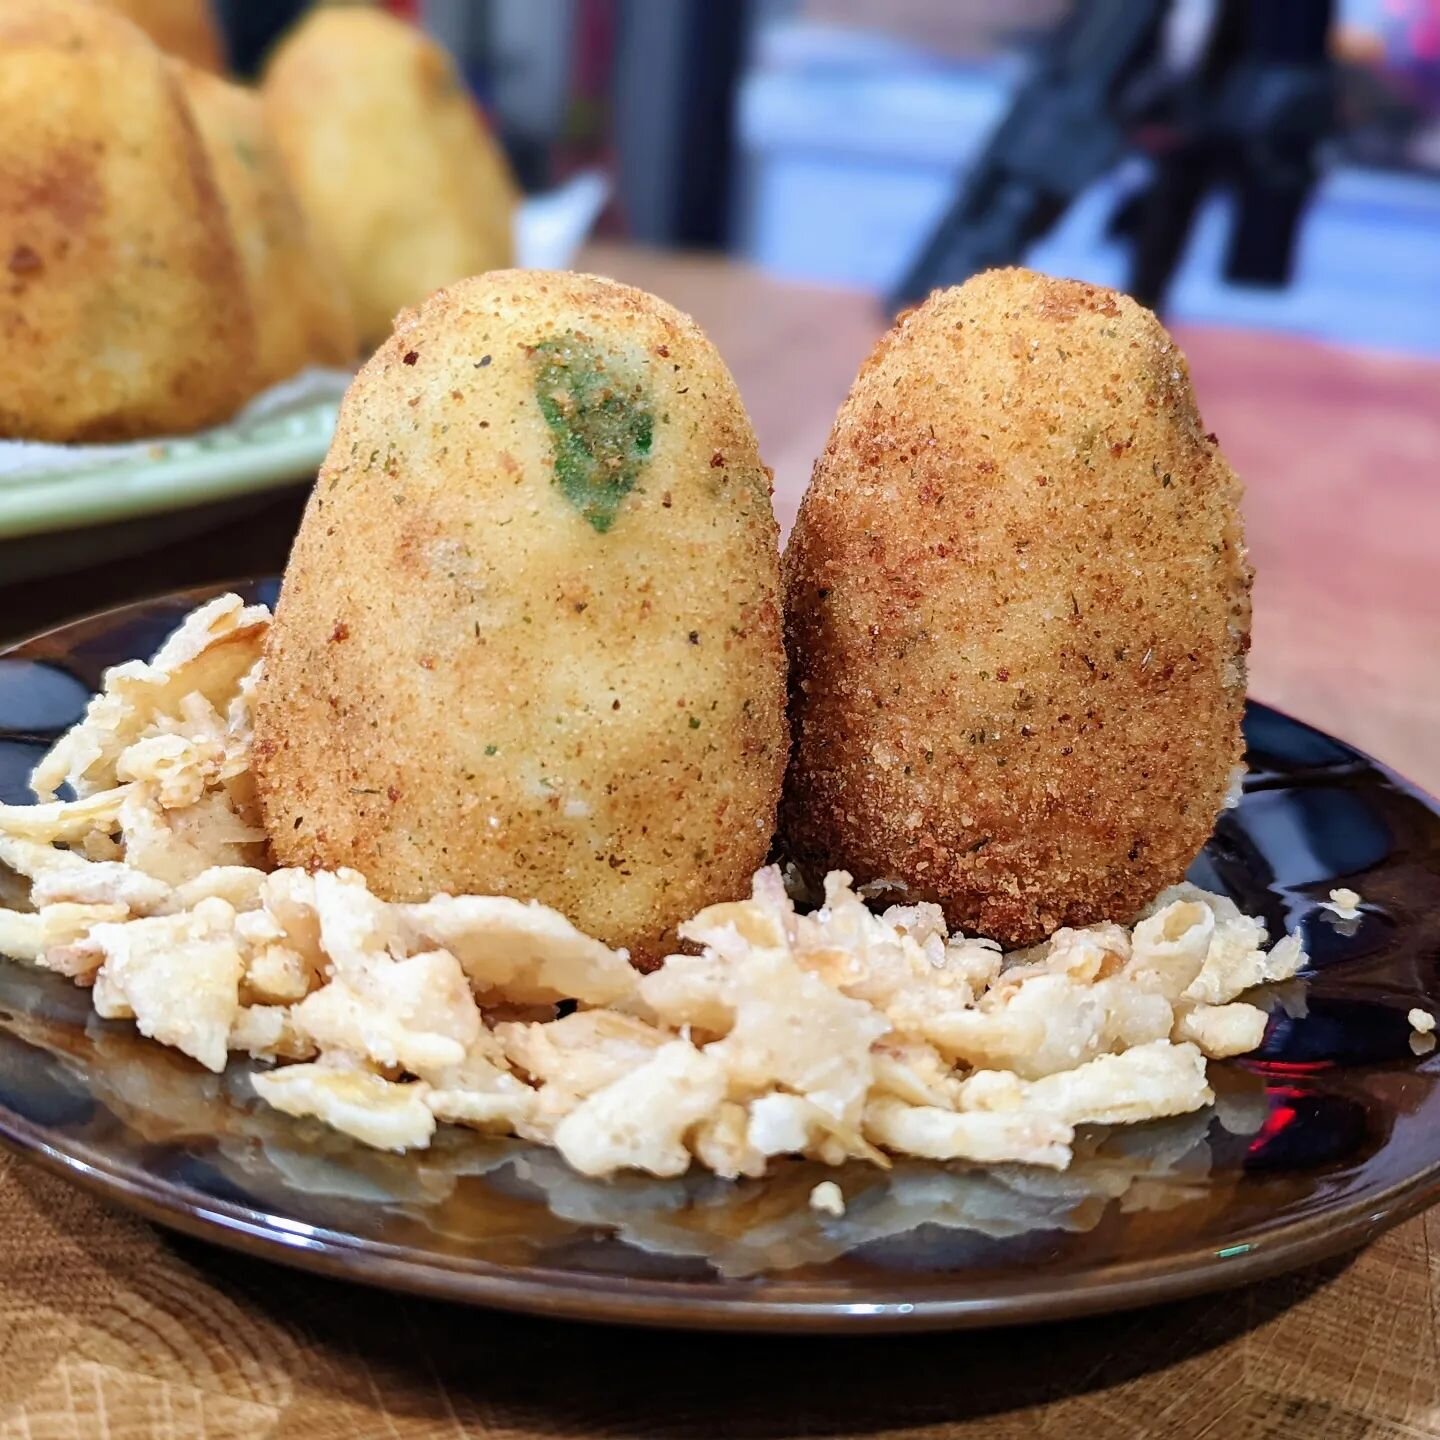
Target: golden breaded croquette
point(392, 161)
point(124, 311)
point(302, 313)
point(1018, 606)
point(185, 29)
point(529, 639)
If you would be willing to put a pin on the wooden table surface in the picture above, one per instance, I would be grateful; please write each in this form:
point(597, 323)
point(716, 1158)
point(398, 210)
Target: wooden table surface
point(110, 1328)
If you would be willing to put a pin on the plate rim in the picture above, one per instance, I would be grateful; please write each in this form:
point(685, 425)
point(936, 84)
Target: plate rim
point(140, 485)
point(728, 1304)
point(676, 1304)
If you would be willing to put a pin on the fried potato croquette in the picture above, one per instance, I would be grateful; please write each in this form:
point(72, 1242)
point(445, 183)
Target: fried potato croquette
point(185, 29)
point(391, 160)
point(529, 639)
point(1018, 607)
point(302, 313)
point(124, 311)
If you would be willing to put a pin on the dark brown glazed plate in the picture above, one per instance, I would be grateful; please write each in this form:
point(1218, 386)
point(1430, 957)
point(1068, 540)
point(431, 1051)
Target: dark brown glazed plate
point(1329, 1134)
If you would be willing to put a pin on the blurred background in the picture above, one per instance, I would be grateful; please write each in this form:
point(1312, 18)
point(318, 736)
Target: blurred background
point(1272, 164)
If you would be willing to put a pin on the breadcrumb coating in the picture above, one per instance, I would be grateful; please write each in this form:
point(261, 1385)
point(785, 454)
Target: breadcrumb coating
point(529, 641)
point(1017, 611)
point(123, 311)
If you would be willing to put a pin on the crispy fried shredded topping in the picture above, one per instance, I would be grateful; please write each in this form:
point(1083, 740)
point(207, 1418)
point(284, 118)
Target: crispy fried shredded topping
point(836, 1034)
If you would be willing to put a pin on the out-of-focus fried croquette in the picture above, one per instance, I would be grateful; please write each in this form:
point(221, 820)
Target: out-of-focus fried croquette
point(124, 310)
point(183, 28)
point(391, 159)
point(1017, 613)
point(529, 640)
point(302, 314)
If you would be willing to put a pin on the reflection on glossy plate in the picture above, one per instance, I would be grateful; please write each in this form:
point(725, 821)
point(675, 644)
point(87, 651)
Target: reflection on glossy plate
point(1324, 1137)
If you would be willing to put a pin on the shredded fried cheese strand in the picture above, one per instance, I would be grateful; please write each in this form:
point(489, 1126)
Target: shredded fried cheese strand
point(838, 1034)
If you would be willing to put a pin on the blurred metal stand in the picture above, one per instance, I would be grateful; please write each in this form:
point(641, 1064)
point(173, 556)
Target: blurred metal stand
point(677, 66)
point(251, 28)
point(1250, 111)
point(516, 55)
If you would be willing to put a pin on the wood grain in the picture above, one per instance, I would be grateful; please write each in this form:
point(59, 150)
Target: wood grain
point(112, 1329)
point(108, 1328)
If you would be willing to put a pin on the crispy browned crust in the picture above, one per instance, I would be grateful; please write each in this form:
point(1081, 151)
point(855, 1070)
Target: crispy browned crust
point(1017, 611)
point(469, 688)
point(392, 161)
point(123, 308)
point(302, 313)
point(183, 28)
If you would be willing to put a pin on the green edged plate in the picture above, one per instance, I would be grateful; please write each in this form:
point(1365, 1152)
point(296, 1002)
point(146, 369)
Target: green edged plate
point(237, 459)
point(118, 500)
